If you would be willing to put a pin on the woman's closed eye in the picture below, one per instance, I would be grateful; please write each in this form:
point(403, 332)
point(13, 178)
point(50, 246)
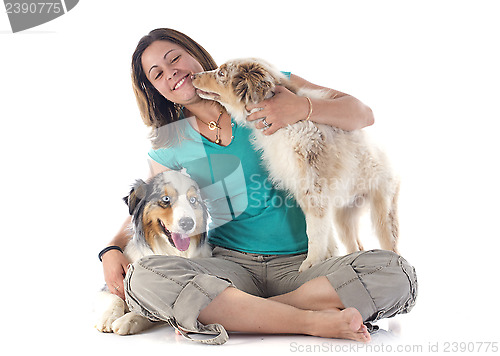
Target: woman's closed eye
point(175, 59)
point(158, 75)
point(172, 61)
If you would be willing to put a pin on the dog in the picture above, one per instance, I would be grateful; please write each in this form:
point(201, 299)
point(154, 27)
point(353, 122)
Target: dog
point(169, 217)
point(330, 172)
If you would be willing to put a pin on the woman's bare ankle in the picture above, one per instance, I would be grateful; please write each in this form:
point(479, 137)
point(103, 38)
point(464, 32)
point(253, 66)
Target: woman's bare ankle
point(310, 323)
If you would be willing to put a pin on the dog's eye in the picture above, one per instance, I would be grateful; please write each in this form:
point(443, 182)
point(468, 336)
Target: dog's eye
point(165, 199)
point(193, 200)
point(221, 73)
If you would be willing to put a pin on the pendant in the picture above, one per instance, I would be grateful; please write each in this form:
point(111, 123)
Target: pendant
point(212, 125)
point(217, 141)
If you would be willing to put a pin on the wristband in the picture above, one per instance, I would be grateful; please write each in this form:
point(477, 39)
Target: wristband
point(109, 248)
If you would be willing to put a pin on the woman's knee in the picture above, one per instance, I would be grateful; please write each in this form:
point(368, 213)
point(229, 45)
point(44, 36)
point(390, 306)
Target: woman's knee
point(390, 280)
point(408, 285)
point(403, 278)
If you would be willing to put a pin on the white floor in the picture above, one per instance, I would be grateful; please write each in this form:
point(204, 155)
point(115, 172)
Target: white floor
point(163, 339)
point(408, 334)
point(166, 340)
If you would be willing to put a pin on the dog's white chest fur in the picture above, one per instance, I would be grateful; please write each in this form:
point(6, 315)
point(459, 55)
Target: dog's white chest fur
point(284, 151)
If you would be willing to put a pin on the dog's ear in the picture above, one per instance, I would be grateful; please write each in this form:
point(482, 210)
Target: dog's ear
point(252, 83)
point(136, 195)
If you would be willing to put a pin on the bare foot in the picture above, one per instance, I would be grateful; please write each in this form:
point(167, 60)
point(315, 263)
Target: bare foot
point(345, 324)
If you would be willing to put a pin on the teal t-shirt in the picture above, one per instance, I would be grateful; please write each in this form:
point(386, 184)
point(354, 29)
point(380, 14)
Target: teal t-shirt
point(247, 213)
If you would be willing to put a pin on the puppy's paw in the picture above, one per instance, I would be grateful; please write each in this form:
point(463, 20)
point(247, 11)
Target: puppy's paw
point(305, 266)
point(315, 258)
point(131, 323)
point(308, 263)
point(111, 307)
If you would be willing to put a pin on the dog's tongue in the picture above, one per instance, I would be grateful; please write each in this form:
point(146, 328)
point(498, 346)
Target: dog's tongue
point(181, 241)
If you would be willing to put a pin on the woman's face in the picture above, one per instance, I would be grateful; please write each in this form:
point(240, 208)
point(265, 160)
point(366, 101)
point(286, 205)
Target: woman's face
point(169, 67)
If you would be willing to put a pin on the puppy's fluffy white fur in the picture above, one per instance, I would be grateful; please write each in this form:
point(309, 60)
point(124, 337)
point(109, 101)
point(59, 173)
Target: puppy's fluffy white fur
point(331, 173)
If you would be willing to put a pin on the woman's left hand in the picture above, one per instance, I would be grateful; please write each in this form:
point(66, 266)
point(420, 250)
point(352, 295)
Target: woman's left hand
point(284, 108)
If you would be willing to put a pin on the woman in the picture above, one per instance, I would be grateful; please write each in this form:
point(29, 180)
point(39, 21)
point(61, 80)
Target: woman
point(251, 284)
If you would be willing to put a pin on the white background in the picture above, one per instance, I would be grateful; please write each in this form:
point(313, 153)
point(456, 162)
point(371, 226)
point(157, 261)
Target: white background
point(72, 142)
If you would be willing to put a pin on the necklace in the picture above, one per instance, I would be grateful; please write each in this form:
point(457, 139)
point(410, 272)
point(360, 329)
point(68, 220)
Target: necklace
point(212, 125)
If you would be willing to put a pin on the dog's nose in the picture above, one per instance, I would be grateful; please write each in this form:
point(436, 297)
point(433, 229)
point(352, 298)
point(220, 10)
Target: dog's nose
point(186, 224)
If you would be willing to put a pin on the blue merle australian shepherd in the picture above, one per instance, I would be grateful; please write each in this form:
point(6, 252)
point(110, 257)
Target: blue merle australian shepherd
point(169, 217)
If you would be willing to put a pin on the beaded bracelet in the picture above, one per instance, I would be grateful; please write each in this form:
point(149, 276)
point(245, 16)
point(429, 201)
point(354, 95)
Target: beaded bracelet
point(109, 248)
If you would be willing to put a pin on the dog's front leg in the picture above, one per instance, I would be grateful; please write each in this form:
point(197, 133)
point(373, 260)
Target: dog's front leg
point(321, 244)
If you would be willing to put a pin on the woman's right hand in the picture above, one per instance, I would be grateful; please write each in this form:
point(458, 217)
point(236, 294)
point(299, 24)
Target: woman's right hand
point(115, 265)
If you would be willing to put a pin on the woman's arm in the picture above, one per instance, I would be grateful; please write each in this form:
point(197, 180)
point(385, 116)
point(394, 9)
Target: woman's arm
point(114, 263)
point(340, 110)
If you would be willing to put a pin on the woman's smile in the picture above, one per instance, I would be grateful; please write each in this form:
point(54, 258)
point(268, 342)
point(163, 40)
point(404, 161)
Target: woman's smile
point(181, 82)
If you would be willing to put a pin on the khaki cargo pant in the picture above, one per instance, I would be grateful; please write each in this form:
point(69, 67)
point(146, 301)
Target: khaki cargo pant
point(379, 284)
